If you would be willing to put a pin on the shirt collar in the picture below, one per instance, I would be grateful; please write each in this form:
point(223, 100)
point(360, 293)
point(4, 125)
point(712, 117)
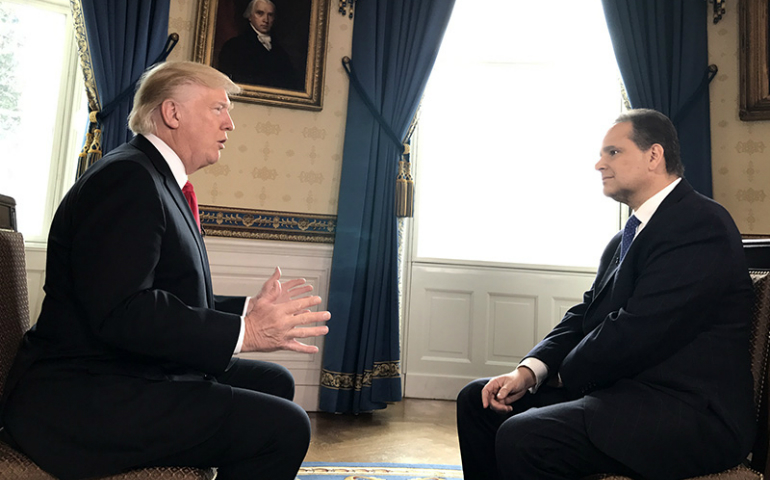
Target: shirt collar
point(645, 212)
point(263, 37)
point(171, 158)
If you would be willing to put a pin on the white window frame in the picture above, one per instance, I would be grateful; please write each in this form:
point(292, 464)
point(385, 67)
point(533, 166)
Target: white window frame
point(67, 140)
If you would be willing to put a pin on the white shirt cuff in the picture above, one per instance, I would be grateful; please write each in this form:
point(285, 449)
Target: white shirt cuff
point(539, 368)
point(239, 345)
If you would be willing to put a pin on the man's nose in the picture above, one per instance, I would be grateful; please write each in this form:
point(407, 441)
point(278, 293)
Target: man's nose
point(228, 124)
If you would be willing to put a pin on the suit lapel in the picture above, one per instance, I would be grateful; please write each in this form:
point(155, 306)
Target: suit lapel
point(181, 203)
point(604, 278)
point(609, 274)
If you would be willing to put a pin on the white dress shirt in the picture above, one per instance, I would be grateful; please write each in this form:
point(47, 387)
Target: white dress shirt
point(264, 38)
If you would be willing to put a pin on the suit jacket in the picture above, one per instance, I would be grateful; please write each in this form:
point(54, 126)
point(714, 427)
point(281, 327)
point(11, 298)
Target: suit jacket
point(119, 368)
point(246, 60)
point(658, 348)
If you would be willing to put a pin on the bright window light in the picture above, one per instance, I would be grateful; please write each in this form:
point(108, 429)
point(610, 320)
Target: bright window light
point(511, 126)
point(37, 90)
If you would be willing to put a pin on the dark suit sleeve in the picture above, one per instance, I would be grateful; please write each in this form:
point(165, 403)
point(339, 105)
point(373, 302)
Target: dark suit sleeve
point(119, 223)
point(569, 332)
point(678, 277)
point(229, 304)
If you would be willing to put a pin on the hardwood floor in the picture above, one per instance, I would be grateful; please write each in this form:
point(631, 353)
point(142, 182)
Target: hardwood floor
point(410, 431)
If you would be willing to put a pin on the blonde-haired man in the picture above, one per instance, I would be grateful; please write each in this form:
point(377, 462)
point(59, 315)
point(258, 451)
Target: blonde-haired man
point(131, 361)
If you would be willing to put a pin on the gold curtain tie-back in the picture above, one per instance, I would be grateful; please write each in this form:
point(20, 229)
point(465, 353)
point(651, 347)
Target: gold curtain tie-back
point(405, 186)
point(95, 149)
point(83, 155)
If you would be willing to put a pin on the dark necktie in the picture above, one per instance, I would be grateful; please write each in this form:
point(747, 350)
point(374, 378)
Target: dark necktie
point(192, 200)
point(628, 235)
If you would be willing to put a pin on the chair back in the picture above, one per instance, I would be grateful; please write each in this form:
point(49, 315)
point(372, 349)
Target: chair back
point(7, 212)
point(758, 259)
point(14, 322)
point(14, 300)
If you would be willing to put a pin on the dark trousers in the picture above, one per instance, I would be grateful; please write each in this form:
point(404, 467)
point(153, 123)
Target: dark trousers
point(266, 435)
point(544, 438)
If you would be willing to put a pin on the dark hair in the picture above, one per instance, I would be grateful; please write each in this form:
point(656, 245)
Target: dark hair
point(650, 127)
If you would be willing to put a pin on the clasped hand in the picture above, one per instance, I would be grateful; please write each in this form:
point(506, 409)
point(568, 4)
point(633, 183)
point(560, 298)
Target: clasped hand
point(275, 318)
point(500, 392)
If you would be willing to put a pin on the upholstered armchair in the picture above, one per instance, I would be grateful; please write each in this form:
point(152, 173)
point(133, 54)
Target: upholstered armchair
point(14, 321)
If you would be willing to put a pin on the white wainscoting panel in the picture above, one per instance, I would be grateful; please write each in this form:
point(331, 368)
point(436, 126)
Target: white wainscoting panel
point(448, 315)
point(511, 325)
point(467, 322)
point(240, 267)
point(35, 262)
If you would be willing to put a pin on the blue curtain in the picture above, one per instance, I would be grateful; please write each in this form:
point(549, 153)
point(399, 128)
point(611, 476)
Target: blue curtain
point(118, 40)
point(662, 51)
point(395, 43)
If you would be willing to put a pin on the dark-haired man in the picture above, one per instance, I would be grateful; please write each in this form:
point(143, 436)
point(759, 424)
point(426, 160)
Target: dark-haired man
point(649, 376)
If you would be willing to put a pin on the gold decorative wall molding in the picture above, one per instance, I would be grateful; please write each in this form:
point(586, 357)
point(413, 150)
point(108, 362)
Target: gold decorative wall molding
point(219, 221)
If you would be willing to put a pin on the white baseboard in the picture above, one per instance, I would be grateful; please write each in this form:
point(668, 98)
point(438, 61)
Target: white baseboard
point(434, 387)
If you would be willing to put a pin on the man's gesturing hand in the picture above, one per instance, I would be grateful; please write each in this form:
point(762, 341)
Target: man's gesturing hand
point(289, 290)
point(275, 317)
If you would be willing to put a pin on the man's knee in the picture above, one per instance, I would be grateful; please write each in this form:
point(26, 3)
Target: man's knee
point(264, 424)
point(514, 432)
point(470, 395)
point(516, 444)
point(295, 432)
point(260, 376)
point(283, 385)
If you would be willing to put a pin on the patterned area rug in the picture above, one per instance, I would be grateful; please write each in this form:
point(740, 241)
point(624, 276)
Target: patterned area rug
point(377, 471)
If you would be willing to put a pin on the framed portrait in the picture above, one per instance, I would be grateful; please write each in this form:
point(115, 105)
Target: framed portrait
point(275, 50)
point(754, 65)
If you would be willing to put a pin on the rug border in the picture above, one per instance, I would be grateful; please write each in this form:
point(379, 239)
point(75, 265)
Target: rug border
point(436, 466)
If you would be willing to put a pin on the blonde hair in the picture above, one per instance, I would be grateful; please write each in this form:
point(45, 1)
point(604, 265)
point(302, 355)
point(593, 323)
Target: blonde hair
point(162, 82)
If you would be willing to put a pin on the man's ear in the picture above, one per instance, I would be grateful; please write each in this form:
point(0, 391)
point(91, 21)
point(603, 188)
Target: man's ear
point(169, 113)
point(657, 157)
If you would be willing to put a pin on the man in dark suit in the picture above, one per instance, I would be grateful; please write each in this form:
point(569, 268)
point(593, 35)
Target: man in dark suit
point(131, 361)
point(649, 376)
point(255, 57)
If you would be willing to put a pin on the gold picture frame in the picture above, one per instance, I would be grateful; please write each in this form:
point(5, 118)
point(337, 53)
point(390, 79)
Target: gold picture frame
point(299, 35)
point(754, 68)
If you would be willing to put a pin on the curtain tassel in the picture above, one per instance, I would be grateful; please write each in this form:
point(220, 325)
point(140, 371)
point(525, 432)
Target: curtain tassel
point(405, 186)
point(83, 155)
point(95, 146)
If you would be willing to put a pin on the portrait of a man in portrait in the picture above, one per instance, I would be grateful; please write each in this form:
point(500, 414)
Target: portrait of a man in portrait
point(257, 56)
point(273, 49)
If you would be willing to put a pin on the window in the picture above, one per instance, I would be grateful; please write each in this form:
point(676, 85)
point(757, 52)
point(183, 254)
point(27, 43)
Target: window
point(510, 129)
point(42, 109)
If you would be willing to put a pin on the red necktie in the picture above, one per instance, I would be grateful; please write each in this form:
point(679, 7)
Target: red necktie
point(189, 194)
